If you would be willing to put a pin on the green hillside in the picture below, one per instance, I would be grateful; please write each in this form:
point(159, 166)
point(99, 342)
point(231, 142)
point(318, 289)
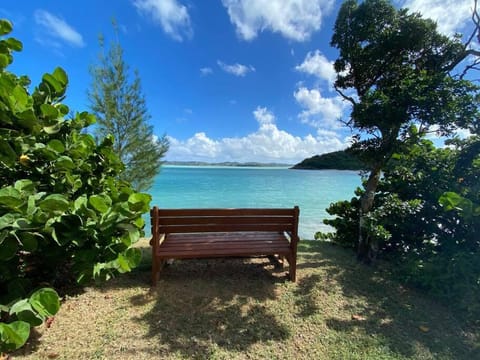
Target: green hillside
point(338, 160)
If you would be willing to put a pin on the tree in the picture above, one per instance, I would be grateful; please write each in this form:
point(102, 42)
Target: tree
point(121, 110)
point(398, 66)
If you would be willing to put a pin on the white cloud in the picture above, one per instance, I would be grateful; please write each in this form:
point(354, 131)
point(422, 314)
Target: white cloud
point(54, 27)
point(236, 69)
point(451, 15)
point(293, 19)
point(267, 144)
point(206, 71)
point(317, 64)
point(319, 111)
point(169, 14)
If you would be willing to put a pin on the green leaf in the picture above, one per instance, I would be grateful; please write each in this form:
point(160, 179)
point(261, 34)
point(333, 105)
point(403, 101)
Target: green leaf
point(6, 27)
point(64, 163)
point(54, 202)
point(4, 61)
point(14, 335)
point(25, 186)
point(101, 203)
point(61, 76)
point(14, 44)
point(24, 312)
point(134, 257)
point(10, 197)
point(56, 145)
point(53, 83)
point(8, 248)
point(49, 111)
point(28, 240)
point(8, 220)
point(139, 202)
point(7, 154)
point(45, 301)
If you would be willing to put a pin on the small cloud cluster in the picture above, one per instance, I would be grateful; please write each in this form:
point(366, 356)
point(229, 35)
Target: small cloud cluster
point(318, 65)
point(267, 144)
point(319, 111)
point(169, 14)
point(293, 19)
point(54, 29)
point(236, 69)
point(205, 71)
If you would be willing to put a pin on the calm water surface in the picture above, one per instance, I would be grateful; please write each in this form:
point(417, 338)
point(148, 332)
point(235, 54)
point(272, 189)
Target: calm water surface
point(237, 187)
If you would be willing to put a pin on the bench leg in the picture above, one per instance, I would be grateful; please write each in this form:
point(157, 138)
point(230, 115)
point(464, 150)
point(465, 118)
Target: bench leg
point(292, 268)
point(156, 265)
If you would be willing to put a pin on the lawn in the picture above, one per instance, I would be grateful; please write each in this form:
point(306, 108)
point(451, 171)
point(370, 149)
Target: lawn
point(246, 309)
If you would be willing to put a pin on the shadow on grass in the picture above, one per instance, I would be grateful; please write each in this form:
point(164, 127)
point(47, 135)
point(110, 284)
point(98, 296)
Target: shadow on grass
point(202, 305)
point(407, 322)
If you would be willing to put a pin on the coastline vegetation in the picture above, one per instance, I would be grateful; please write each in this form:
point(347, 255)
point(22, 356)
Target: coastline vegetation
point(337, 160)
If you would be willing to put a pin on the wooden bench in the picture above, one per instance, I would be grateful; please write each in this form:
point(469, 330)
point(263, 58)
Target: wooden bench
point(207, 233)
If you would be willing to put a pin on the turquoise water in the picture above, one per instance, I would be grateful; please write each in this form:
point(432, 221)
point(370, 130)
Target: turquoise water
point(237, 187)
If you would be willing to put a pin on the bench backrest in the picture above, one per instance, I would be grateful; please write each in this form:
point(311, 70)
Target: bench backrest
point(167, 221)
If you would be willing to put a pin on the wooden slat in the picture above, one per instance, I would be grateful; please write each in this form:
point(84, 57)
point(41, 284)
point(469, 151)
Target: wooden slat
point(222, 253)
point(224, 228)
point(225, 212)
point(197, 220)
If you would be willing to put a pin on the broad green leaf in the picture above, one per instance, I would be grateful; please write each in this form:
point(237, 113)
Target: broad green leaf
point(14, 44)
point(49, 111)
point(14, 335)
point(56, 145)
point(29, 241)
point(4, 61)
point(21, 99)
point(10, 197)
point(24, 312)
point(52, 129)
point(101, 203)
point(134, 257)
point(63, 109)
point(45, 301)
point(7, 220)
point(8, 249)
point(64, 163)
point(25, 186)
point(54, 202)
point(6, 27)
point(54, 84)
point(139, 202)
point(7, 154)
point(61, 76)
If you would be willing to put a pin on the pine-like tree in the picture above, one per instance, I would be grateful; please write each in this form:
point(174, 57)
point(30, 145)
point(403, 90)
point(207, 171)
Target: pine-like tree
point(117, 100)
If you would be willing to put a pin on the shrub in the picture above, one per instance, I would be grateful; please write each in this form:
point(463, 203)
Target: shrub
point(63, 212)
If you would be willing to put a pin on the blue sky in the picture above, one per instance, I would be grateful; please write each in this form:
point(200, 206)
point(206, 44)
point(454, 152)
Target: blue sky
point(226, 80)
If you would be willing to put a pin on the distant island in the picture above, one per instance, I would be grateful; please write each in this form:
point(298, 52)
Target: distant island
point(337, 160)
point(226, 163)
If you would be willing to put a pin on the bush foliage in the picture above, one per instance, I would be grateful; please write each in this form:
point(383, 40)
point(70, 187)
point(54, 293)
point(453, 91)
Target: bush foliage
point(63, 212)
point(426, 220)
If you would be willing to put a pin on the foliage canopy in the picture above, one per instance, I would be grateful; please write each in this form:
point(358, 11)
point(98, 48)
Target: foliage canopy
point(64, 214)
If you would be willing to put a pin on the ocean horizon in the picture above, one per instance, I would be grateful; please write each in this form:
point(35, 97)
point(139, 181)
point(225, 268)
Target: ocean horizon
point(213, 186)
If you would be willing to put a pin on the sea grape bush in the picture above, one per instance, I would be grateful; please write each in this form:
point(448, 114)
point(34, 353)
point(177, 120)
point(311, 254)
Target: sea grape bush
point(427, 209)
point(64, 215)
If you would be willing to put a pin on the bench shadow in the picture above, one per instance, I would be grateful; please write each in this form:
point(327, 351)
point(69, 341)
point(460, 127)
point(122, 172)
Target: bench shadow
point(201, 305)
point(374, 304)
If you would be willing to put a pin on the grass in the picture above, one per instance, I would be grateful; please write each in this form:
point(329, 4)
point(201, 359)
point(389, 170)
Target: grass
point(246, 309)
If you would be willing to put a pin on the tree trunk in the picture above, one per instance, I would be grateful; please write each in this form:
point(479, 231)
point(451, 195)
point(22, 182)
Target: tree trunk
point(367, 248)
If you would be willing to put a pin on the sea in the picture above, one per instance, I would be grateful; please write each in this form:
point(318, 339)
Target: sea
point(246, 187)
